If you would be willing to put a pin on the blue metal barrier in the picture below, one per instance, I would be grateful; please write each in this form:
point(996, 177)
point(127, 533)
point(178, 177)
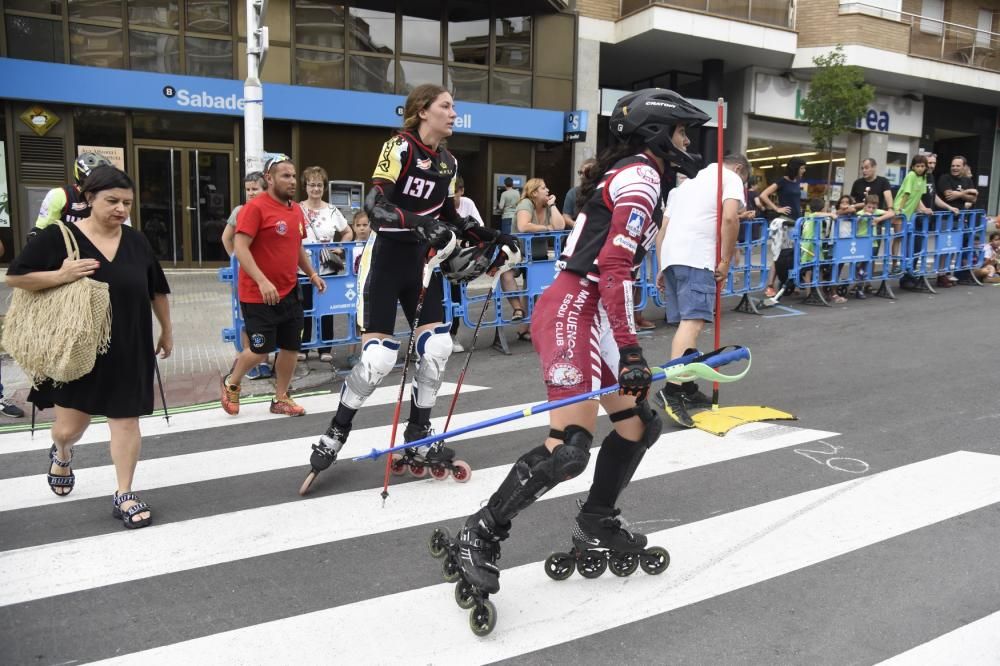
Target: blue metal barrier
point(945, 243)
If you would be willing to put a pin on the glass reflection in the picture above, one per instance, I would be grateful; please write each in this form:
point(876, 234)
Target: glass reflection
point(414, 73)
point(208, 16)
point(372, 31)
point(319, 23)
point(96, 10)
point(209, 57)
point(469, 42)
point(469, 84)
point(372, 74)
point(34, 39)
point(97, 46)
point(421, 37)
point(514, 42)
point(153, 13)
point(154, 52)
point(511, 89)
point(319, 68)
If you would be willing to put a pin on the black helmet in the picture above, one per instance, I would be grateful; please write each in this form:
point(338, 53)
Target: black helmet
point(652, 114)
point(468, 262)
point(86, 163)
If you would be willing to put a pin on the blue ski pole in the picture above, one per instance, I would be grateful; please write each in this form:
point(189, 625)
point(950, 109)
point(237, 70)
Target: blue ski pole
point(691, 366)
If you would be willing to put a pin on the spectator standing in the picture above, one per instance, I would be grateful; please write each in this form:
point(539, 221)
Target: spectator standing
point(788, 190)
point(7, 408)
point(362, 231)
point(571, 206)
point(324, 224)
point(908, 198)
point(689, 270)
point(955, 187)
point(465, 207)
point(536, 212)
point(269, 248)
point(929, 203)
point(507, 205)
point(871, 183)
point(120, 385)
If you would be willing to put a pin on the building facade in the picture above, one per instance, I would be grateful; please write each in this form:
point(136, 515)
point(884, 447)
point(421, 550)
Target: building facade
point(158, 85)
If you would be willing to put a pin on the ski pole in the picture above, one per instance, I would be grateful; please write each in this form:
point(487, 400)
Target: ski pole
point(163, 396)
point(692, 366)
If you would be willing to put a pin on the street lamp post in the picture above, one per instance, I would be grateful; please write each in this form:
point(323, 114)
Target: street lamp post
point(253, 92)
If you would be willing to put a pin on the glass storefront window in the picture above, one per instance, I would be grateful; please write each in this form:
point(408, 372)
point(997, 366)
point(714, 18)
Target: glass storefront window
point(469, 42)
point(34, 39)
point(372, 74)
point(511, 89)
point(182, 126)
point(421, 37)
point(372, 31)
point(319, 68)
point(209, 16)
point(154, 52)
point(37, 6)
point(319, 23)
point(95, 45)
point(469, 84)
point(153, 13)
point(209, 57)
point(96, 10)
point(414, 73)
point(100, 127)
point(514, 42)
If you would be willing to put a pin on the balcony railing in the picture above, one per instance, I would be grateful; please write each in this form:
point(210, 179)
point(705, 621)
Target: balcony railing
point(938, 40)
point(778, 13)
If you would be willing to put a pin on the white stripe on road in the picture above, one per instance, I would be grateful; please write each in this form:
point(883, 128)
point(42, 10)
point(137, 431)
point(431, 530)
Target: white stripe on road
point(976, 643)
point(29, 491)
point(710, 558)
point(17, 442)
point(84, 563)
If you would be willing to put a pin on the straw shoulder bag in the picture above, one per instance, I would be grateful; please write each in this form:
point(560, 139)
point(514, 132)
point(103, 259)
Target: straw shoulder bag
point(57, 333)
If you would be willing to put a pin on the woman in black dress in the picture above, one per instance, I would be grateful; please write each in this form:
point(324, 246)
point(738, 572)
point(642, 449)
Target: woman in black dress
point(120, 386)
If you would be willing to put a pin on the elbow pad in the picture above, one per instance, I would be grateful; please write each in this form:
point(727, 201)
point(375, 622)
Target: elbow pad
point(381, 212)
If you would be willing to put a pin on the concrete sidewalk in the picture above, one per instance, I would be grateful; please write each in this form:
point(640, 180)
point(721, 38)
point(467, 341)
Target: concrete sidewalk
point(200, 307)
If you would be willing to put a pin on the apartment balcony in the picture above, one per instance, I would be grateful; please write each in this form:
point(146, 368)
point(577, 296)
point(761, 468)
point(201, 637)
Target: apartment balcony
point(777, 13)
point(929, 37)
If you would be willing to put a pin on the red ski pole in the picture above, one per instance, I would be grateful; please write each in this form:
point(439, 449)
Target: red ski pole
point(718, 245)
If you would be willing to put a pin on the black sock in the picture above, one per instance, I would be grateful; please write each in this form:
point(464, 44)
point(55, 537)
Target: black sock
point(344, 416)
point(613, 462)
point(419, 415)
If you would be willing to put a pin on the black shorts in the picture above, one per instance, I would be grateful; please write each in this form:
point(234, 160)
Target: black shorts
point(274, 326)
point(390, 274)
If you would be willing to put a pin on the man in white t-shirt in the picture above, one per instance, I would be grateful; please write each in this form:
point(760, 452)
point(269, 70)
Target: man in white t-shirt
point(689, 270)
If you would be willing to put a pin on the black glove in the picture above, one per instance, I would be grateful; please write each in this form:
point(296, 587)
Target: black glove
point(468, 228)
point(634, 376)
point(434, 233)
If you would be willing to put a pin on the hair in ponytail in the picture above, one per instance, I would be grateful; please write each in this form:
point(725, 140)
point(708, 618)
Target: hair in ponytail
point(605, 160)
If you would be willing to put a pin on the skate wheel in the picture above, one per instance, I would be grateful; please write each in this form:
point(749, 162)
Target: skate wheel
point(463, 595)
point(592, 564)
point(461, 471)
point(304, 488)
point(654, 560)
point(449, 570)
point(623, 564)
point(418, 470)
point(439, 473)
point(398, 466)
point(483, 618)
point(559, 566)
point(438, 543)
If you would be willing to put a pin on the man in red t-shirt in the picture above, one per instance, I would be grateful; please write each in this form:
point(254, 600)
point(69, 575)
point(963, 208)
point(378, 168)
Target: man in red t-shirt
point(268, 243)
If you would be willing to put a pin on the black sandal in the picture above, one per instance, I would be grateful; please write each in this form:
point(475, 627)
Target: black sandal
point(517, 314)
point(126, 515)
point(524, 336)
point(56, 481)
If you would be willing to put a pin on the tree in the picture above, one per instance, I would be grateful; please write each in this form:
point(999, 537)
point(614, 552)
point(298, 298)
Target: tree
point(837, 97)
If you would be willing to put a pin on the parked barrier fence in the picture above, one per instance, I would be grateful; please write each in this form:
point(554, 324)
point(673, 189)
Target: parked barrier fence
point(830, 253)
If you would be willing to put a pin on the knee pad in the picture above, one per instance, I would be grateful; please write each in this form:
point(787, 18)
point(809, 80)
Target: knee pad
point(378, 357)
point(651, 422)
point(538, 471)
point(434, 347)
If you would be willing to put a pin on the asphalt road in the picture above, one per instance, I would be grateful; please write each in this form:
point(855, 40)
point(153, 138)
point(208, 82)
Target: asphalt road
point(857, 533)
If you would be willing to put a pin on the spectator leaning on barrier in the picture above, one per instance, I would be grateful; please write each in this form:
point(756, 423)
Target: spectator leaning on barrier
point(789, 191)
point(507, 205)
point(871, 183)
point(537, 212)
point(269, 248)
point(956, 187)
point(120, 385)
point(362, 231)
point(324, 224)
point(988, 272)
point(571, 206)
point(908, 198)
point(689, 271)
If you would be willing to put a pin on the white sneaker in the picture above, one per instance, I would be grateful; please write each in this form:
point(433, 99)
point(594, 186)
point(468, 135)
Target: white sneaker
point(456, 346)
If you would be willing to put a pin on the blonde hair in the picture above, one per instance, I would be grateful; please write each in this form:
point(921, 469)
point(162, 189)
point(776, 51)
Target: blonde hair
point(419, 99)
point(310, 172)
point(532, 186)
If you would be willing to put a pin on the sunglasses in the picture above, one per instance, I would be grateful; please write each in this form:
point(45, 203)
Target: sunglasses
point(275, 159)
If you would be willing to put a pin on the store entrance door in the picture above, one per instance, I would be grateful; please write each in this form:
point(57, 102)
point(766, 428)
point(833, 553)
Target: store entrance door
point(184, 198)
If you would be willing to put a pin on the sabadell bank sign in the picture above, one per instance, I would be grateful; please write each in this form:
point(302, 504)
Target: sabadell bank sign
point(201, 99)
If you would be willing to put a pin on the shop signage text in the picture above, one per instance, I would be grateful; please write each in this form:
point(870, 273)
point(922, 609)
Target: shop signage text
point(203, 99)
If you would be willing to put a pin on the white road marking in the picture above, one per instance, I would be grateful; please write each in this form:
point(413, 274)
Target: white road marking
point(975, 643)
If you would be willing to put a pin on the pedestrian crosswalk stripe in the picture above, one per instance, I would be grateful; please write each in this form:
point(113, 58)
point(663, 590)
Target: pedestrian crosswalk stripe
point(976, 643)
point(84, 563)
point(711, 557)
point(156, 425)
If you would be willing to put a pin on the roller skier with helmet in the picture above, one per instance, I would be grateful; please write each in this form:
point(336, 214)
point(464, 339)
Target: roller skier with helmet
point(415, 228)
point(67, 204)
point(585, 315)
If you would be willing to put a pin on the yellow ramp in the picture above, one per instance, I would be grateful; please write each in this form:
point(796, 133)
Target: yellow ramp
point(721, 420)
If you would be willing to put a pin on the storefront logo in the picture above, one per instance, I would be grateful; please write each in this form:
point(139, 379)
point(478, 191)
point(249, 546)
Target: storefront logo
point(203, 99)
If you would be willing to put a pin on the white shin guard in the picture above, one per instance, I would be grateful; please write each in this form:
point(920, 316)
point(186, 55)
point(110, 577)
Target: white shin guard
point(378, 357)
point(433, 347)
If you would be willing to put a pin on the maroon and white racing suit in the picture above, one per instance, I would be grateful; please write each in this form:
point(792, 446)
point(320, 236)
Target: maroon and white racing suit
point(586, 314)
